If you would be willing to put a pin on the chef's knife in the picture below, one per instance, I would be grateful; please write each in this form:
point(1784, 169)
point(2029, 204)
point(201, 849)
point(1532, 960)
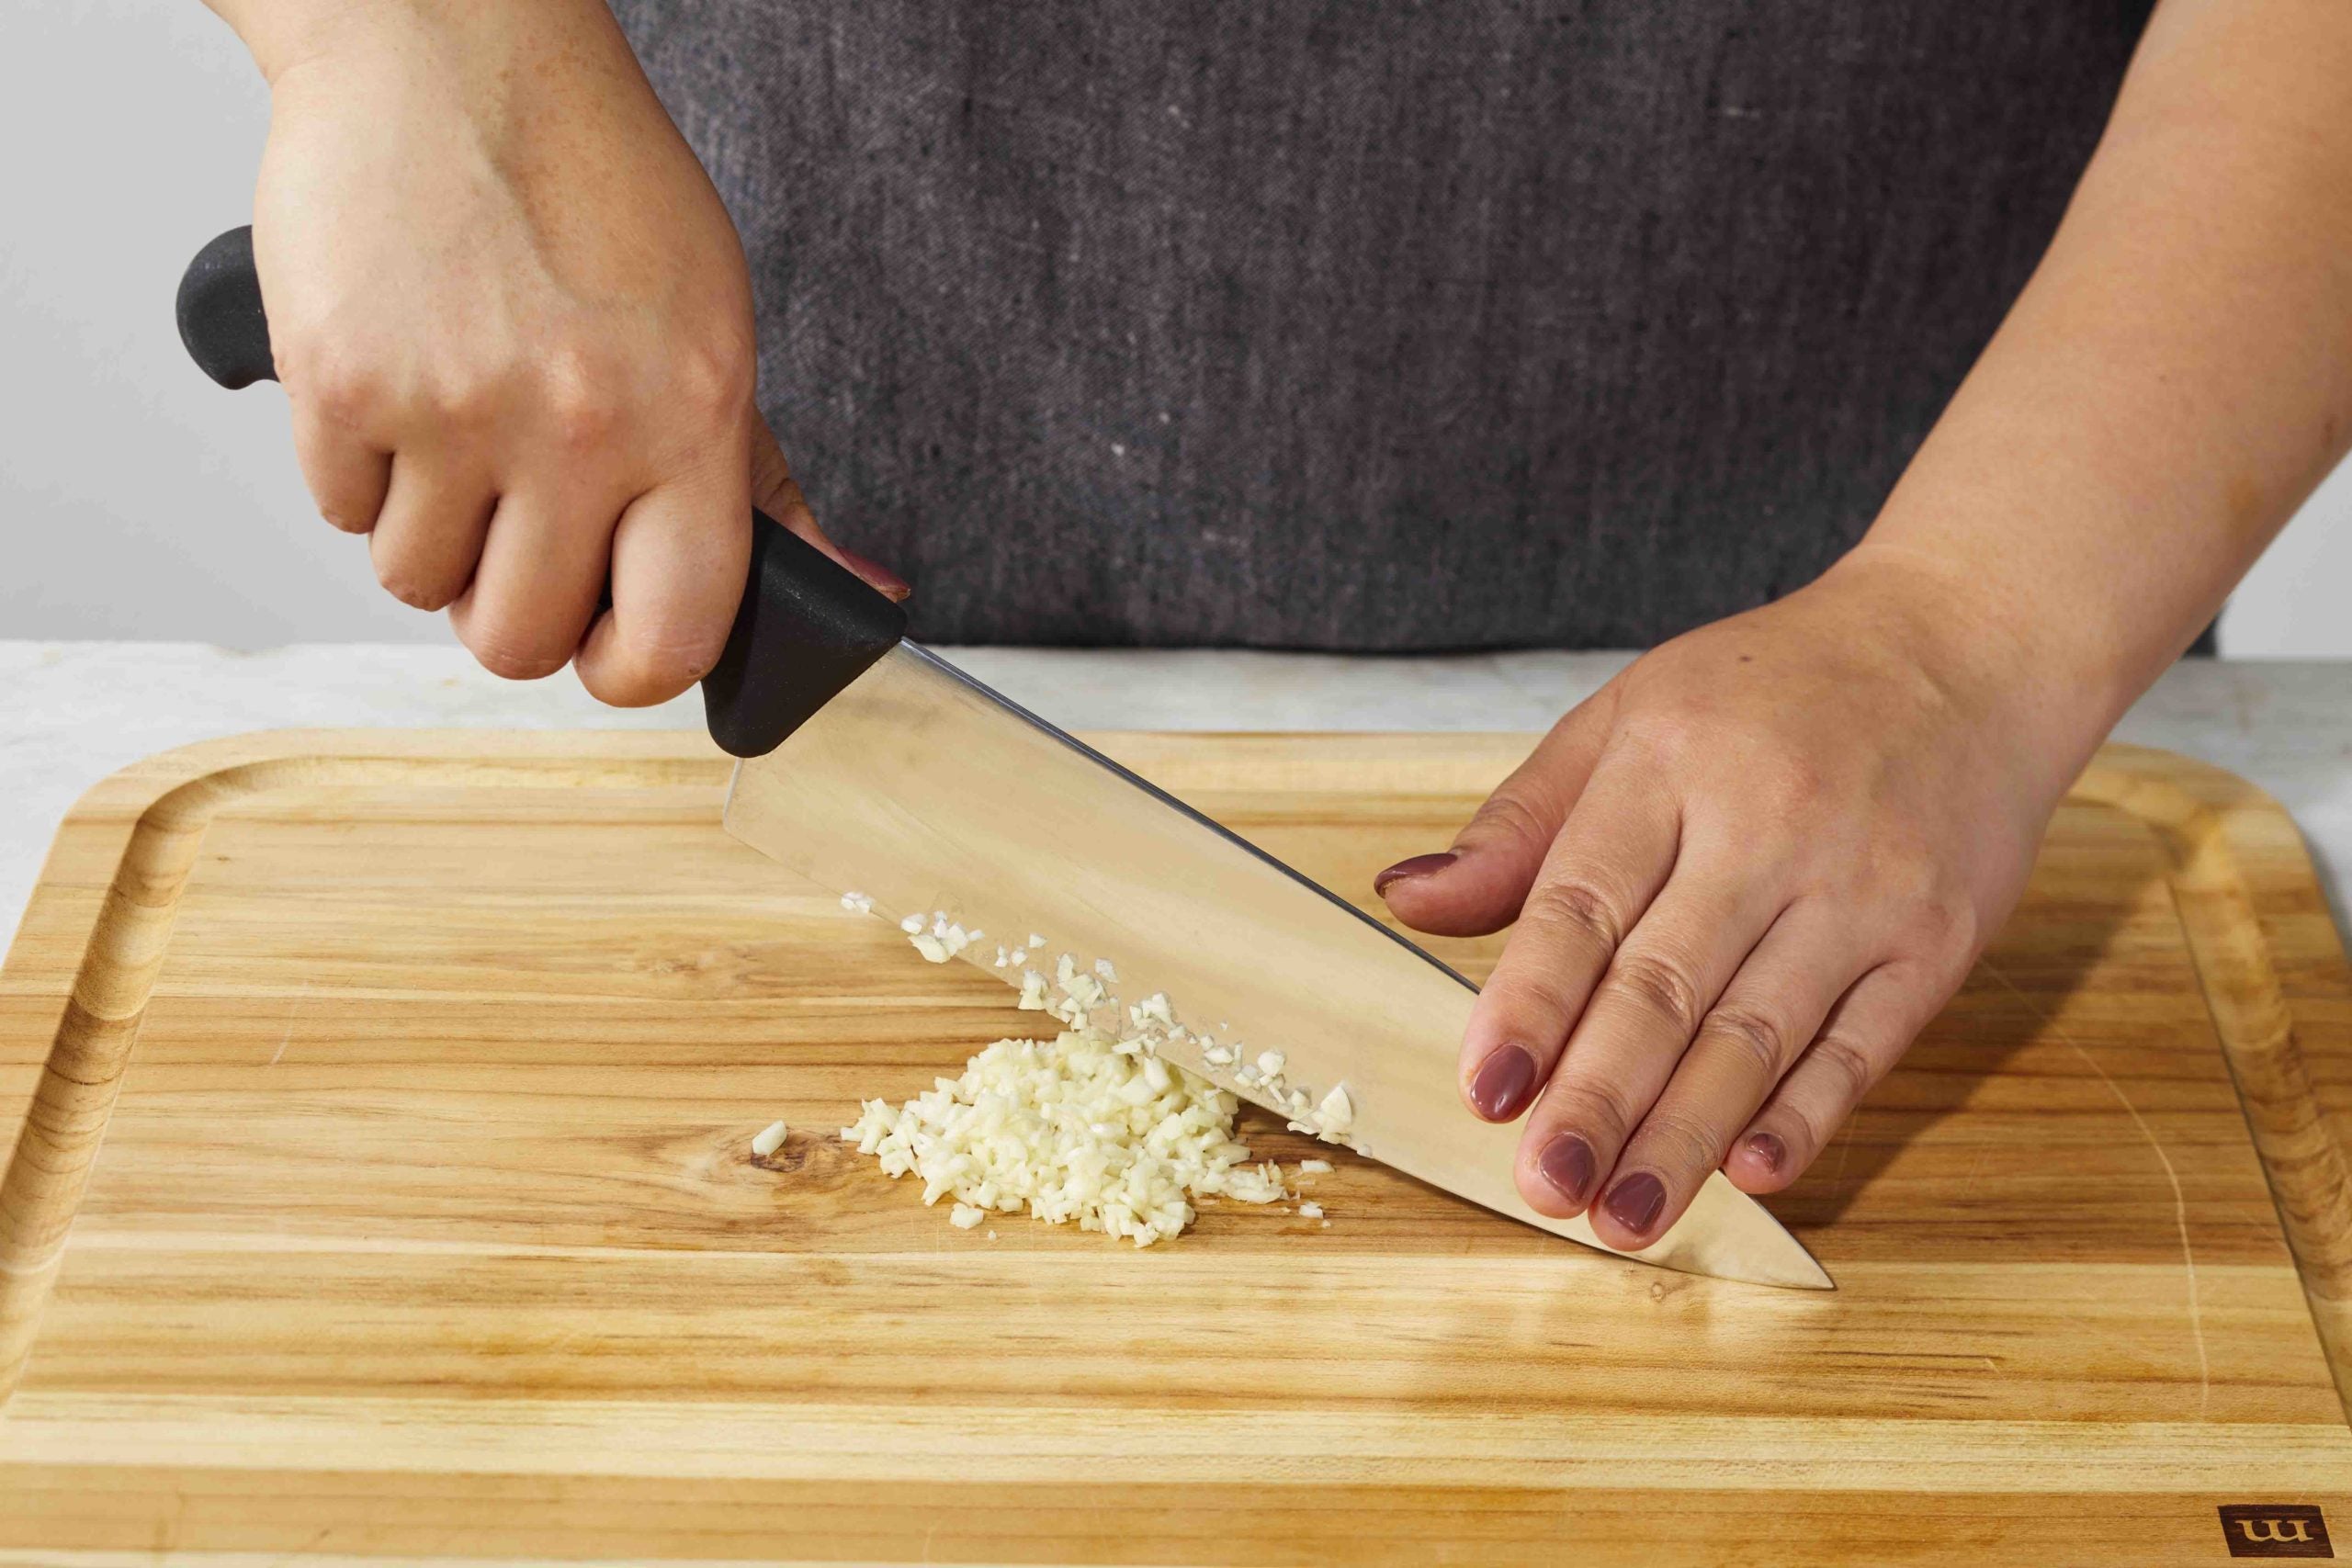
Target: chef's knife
point(873, 767)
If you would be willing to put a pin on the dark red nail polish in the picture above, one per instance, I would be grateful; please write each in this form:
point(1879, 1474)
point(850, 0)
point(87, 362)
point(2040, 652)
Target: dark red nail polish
point(888, 582)
point(1634, 1202)
point(1768, 1147)
point(1566, 1164)
point(1419, 865)
point(1500, 1091)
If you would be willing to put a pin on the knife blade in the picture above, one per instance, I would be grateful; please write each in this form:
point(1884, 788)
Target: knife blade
point(920, 788)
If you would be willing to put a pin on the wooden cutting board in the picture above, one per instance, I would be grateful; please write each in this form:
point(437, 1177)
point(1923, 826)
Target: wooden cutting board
point(381, 1107)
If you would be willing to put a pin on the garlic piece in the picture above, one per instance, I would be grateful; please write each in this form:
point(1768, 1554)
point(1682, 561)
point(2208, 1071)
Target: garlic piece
point(768, 1139)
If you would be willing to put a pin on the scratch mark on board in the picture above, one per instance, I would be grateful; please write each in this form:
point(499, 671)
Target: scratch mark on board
point(291, 1014)
point(2180, 1197)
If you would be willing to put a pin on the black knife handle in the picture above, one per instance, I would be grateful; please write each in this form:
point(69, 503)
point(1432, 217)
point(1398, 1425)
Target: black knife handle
point(807, 627)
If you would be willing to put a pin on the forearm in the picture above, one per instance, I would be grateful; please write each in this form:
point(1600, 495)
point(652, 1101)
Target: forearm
point(2174, 381)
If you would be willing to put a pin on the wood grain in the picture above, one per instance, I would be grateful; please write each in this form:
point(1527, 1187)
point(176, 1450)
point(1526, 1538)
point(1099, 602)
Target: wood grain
point(382, 1189)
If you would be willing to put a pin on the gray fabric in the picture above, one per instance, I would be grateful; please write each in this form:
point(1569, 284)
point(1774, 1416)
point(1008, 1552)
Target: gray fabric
point(1372, 323)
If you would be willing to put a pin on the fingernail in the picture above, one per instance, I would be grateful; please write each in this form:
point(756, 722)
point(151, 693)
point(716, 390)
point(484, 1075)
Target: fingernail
point(1767, 1149)
point(888, 582)
point(1499, 1092)
point(1635, 1202)
point(1419, 865)
point(1566, 1164)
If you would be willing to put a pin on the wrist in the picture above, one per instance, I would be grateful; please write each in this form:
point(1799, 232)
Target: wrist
point(2000, 667)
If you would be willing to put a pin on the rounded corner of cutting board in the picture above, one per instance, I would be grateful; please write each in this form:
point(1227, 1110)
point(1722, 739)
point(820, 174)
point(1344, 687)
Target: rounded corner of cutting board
point(136, 786)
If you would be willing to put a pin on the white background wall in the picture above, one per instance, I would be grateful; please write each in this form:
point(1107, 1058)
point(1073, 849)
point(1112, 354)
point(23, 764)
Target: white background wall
point(136, 500)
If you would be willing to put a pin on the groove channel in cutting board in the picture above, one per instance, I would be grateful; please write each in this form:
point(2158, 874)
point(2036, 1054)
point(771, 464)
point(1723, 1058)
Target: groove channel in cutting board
point(381, 1109)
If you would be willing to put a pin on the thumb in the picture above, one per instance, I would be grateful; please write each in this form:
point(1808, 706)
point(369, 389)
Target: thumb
point(1478, 885)
point(777, 494)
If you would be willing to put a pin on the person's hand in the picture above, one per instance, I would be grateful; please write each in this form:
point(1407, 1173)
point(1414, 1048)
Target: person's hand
point(514, 326)
point(1745, 873)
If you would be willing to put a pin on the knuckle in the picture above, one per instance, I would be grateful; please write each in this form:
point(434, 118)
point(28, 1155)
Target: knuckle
point(1659, 986)
point(716, 378)
point(1794, 783)
point(1761, 1039)
point(1668, 737)
point(1849, 1068)
point(1578, 907)
point(340, 387)
point(1506, 814)
point(463, 396)
point(1675, 1139)
point(1935, 925)
point(1904, 871)
point(580, 409)
point(1954, 924)
point(1598, 1110)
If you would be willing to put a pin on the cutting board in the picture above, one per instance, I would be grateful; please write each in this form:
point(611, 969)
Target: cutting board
point(381, 1108)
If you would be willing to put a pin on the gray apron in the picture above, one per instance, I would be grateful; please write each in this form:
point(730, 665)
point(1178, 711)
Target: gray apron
point(1373, 324)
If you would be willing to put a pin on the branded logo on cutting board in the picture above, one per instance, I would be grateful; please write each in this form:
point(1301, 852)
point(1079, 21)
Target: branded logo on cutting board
point(2275, 1529)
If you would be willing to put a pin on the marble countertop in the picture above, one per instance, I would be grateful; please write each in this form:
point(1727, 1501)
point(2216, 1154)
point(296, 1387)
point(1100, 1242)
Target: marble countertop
point(71, 713)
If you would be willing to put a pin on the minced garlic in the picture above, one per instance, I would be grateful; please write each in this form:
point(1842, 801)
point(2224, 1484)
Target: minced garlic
point(1070, 1129)
point(1092, 1126)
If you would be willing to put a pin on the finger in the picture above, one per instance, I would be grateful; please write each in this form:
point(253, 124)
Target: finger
point(1863, 1036)
point(347, 476)
point(777, 494)
point(1774, 1006)
point(1665, 977)
point(1479, 883)
point(1602, 871)
point(535, 587)
point(430, 531)
point(680, 555)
